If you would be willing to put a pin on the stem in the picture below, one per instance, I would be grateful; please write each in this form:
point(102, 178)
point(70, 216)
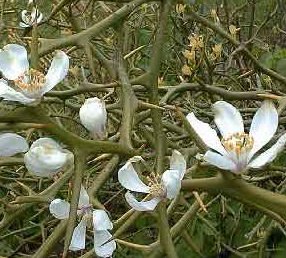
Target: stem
point(272, 204)
point(48, 246)
point(165, 236)
point(77, 180)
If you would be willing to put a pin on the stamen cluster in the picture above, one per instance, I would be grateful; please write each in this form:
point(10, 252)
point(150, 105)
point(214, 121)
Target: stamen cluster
point(31, 81)
point(156, 187)
point(238, 143)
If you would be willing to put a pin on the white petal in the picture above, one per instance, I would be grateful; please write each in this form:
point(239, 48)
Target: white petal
point(59, 208)
point(263, 126)
point(83, 198)
point(143, 205)
point(129, 179)
point(93, 116)
point(206, 133)
point(270, 154)
point(219, 161)
point(24, 16)
point(227, 119)
point(11, 144)
point(57, 71)
point(8, 93)
point(171, 179)
point(13, 61)
point(178, 162)
point(78, 237)
point(101, 220)
point(33, 15)
point(45, 158)
point(24, 25)
point(103, 245)
point(39, 18)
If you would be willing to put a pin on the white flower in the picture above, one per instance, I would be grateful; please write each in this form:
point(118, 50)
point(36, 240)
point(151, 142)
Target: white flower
point(167, 187)
point(28, 85)
point(46, 157)
point(93, 116)
point(30, 18)
point(103, 243)
point(237, 150)
point(11, 144)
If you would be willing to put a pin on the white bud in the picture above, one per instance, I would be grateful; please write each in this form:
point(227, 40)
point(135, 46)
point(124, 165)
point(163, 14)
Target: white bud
point(93, 117)
point(46, 157)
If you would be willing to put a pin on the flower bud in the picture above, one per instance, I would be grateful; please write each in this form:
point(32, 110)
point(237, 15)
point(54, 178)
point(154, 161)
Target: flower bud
point(93, 117)
point(46, 157)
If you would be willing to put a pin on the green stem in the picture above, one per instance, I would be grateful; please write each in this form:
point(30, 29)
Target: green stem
point(272, 204)
point(48, 246)
point(77, 181)
point(165, 235)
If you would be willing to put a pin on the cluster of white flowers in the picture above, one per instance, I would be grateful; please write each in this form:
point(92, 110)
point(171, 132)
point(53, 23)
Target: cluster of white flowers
point(236, 151)
point(46, 157)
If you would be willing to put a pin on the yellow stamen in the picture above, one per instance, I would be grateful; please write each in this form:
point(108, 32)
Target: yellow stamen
point(156, 188)
point(238, 143)
point(35, 81)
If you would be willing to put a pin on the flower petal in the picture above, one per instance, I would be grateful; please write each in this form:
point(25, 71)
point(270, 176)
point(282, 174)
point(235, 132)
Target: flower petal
point(11, 143)
point(264, 125)
point(129, 179)
point(45, 157)
point(143, 205)
point(270, 154)
point(59, 208)
point(178, 162)
point(57, 71)
point(9, 94)
point(83, 198)
point(101, 220)
point(104, 246)
point(93, 116)
point(227, 119)
point(219, 161)
point(171, 179)
point(78, 237)
point(24, 25)
point(14, 61)
point(39, 18)
point(25, 17)
point(206, 133)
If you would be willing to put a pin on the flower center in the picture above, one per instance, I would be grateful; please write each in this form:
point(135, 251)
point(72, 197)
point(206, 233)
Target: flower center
point(31, 81)
point(86, 212)
point(239, 143)
point(156, 188)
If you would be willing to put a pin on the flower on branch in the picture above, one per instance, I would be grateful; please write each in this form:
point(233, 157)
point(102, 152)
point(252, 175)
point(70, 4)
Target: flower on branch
point(11, 144)
point(46, 157)
point(159, 187)
point(237, 151)
point(30, 18)
point(26, 85)
point(98, 220)
point(93, 117)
